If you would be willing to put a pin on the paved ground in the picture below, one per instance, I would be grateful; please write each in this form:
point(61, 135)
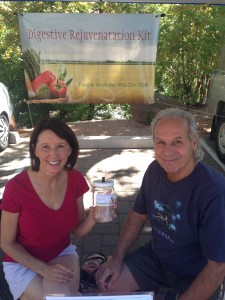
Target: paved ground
point(104, 128)
point(126, 168)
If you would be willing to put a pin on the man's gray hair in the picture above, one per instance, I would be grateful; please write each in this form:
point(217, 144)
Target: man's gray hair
point(176, 113)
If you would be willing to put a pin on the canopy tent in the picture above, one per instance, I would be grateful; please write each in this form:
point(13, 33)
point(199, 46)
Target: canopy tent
point(213, 2)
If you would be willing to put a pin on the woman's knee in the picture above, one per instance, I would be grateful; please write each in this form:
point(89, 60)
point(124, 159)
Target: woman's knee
point(34, 290)
point(70, 287)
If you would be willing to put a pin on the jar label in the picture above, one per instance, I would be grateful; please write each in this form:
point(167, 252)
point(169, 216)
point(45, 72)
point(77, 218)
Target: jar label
point(107, 199)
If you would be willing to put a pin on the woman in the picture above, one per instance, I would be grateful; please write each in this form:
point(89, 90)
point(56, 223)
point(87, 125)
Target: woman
point(40, 208)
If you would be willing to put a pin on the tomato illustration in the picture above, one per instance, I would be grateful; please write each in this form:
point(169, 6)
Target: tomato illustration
point(58, 88)
point(47, 77)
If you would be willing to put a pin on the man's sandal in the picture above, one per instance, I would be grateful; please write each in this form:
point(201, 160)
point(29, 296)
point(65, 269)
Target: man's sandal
point(88, 270)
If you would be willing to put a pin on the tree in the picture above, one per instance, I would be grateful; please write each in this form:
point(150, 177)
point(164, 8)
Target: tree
point(190, 40)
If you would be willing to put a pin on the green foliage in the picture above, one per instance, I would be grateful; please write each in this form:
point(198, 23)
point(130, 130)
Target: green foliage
point(76, 112)
point(148, 117)
point(29, 114)
point(190, 40)
point(39, 111)
point(82, 112)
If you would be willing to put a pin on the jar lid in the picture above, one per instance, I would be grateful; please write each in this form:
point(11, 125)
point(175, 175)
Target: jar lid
point(103, 183)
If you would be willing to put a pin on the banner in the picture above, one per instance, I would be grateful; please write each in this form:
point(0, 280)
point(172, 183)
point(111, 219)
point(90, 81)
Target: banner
point(89, 58)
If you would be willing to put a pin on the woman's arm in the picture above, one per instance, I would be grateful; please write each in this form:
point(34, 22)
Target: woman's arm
point(85, 224)
point(9, 244)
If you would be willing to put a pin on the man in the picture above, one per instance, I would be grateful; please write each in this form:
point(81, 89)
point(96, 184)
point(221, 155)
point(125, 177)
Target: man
point(184, 199)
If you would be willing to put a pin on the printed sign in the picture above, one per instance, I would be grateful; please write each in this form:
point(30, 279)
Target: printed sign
point(89, 58)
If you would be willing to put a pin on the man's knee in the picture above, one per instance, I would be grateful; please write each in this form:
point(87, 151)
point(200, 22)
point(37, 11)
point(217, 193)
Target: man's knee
point(124, 283)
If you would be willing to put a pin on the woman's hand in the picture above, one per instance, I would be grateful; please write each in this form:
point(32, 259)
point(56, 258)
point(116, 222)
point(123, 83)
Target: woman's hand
point(57, 273)
point(91, 214)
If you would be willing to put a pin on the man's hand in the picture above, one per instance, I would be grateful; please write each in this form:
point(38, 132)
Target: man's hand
point(108, 274)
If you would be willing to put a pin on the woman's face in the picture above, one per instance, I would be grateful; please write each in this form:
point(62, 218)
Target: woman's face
point(52, 152)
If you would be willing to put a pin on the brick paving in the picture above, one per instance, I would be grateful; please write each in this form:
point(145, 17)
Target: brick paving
point(126, 167)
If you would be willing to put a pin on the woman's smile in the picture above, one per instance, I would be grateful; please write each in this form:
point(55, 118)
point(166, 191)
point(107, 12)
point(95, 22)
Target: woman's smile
point(52, 151)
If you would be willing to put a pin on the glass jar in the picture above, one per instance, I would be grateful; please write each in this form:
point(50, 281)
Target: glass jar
point(104, 199)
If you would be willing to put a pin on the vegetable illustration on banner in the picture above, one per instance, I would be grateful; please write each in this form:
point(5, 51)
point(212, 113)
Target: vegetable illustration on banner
point(73, 58)
point(45, 85)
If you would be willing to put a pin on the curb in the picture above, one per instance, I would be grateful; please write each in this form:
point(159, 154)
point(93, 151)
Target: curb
point(120, 142)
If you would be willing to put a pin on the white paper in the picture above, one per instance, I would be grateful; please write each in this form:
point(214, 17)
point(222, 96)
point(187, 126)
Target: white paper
point(145, 296)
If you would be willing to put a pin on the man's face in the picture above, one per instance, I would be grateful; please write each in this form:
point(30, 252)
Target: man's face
point(173, 148)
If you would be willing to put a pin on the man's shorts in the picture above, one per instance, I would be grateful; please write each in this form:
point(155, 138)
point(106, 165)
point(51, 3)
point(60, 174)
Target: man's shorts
point(148, 271)
point(151, 275)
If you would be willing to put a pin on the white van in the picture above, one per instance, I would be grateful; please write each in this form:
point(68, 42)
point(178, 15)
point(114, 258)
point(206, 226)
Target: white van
point(6, 113)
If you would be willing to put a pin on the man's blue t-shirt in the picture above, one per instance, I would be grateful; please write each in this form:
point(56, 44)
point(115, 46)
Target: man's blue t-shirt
point(187, 217)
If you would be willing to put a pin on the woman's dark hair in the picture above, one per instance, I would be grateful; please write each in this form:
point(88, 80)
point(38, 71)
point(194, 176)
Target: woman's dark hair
point(62, 130)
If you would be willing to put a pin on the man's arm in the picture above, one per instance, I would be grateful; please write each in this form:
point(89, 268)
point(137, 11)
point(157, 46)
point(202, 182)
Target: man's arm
point(129, 234)
point(206, 283)
point(110, 271)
